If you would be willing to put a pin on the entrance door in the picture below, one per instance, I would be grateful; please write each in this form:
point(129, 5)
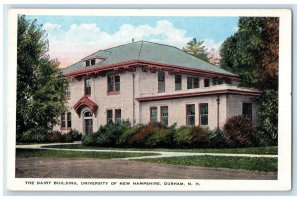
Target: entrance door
point(88, 126)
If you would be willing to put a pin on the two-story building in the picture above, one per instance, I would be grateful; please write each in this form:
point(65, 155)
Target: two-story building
point(144, 81)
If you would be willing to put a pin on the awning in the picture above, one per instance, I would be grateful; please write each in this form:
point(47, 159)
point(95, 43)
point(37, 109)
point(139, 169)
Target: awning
point(85, 102)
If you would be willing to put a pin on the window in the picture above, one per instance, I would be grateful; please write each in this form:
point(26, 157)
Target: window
point(63, 120)
point(109, 116)
point(87, 87)
point(247, 111)
point(87, 63)
point(192, 82)
point(217, 81)
point(206, 82)
point(190, 115)
point(113, 83)
point(93, 62)
point(118, 116)
point(69, 120)
point(203, 114)
point(153, 114)
point(164, 115)
point(88, 114)
point(161, 81)
point(68, 93)
point(177, 82)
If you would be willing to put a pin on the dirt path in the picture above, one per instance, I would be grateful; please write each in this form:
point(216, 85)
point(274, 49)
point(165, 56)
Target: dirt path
point(113, 168)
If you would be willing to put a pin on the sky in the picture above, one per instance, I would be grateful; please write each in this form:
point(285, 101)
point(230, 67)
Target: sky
point(71, 38)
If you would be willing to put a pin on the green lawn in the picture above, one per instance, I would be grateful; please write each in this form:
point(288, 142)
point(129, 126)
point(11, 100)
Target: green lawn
point(258, 164)
point(25, 153)
point(251, 150)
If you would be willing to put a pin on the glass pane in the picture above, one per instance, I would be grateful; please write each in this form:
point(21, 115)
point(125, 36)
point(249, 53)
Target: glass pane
point(118, 113)
point(109, 116)
point(117, 78)
point(88, 114)
point(206, 83)
point(204, 119)
point(117, 86)
point(191, 121)
point(196, 82)
point(190, 109)
point(203, 109)
point(189, 82)
point(110, 87)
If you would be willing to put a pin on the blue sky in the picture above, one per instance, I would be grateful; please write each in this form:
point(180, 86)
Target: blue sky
point(73, 37)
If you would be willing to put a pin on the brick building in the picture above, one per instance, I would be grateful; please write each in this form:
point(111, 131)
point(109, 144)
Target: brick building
point(144, 81)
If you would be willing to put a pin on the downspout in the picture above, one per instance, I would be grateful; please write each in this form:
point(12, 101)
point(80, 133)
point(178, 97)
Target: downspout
point(133, 99)
point(218, 112)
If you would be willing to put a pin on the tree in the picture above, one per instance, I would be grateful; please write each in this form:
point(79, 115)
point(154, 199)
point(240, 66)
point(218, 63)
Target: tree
point(197, 49)
point(252, 53)
point(41, 87)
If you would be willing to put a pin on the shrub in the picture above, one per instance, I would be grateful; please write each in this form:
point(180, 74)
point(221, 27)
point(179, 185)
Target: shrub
point(216, 139)
point(72, 135)
point(162, 138)
point(55, 136)
point(35, 135)
point(239, 132)
point(140, 137)
point(127, 134)
point(182, 137)
point(88, 140)
point(199, 137)
point(107, 135)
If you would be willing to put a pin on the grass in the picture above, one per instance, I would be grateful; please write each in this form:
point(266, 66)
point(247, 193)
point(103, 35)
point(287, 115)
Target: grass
point(258, 164)
point(250, 150)
point(26, 153)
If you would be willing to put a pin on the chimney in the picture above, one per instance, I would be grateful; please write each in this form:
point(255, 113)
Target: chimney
point(132, 40)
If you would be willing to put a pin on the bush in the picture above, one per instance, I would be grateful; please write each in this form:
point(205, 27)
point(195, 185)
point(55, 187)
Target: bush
point(239, 132)
point(162, 138)
point(199, 137)
point(55, 136)
point(107, 135)
point(216, 139)
point(127, 134)
point(182, 137)
point(140, 137)
point(72, 135)
point(88, 140)
point(35, 135)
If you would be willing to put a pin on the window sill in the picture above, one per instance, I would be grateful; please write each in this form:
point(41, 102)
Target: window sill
point(113, 93)
point(65, 129)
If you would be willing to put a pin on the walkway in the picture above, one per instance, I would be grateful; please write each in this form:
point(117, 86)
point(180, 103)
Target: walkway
point(163, 154)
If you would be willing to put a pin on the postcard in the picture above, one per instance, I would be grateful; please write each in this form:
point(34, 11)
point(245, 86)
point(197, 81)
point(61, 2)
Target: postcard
point(149, 100)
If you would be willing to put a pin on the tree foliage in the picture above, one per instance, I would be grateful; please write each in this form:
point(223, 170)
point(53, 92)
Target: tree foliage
point(41, 87)
point(252, 53)
point(197, 49)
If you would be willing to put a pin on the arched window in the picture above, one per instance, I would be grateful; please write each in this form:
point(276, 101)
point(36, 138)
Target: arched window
point(88, 114)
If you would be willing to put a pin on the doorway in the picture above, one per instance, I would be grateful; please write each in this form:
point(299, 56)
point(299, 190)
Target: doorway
point(88, 122)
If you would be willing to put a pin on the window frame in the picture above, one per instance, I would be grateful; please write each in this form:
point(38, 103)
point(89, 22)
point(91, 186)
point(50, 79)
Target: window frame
point(118, 120)
point(164, 119)
point(178, 85)
point(161, 87)
point(192, 79)
point(151, 116)
point(248, 116)
point(93, 62)
point(188, 116)
point(69, 120)
point(109, 120)
point(116, 86)
point(206, 83)
point(63, 121)
point(203, 114)
point(85, 87)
